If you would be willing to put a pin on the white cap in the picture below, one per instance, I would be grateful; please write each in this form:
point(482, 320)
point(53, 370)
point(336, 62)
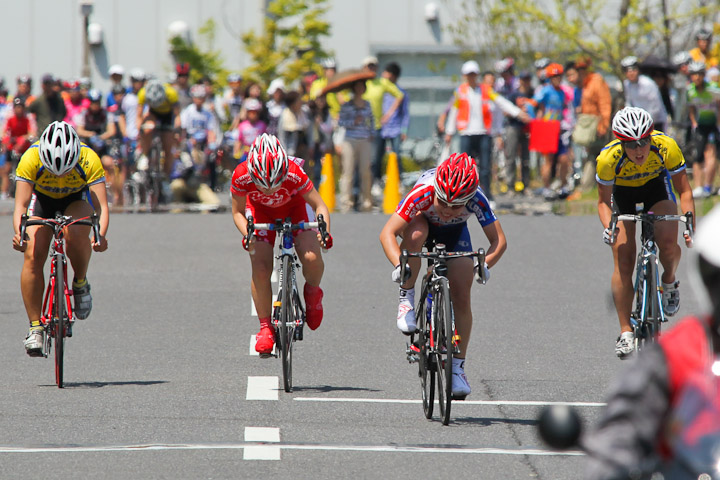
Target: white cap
point(137, 74)
point(252, 104)
point(116, 70)
point(471, 66)
point(275, 85)
point(370, 60)
point(712, 72)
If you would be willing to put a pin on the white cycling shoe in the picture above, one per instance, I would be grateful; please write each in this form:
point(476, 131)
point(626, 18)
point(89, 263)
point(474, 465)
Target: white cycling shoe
point(460, 385)
point(34, 342)
point(625, 344)
point(671, 298)
point(406, 312)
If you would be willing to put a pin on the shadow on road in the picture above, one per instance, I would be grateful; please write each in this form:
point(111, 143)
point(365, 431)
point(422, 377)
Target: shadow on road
point(330, 389)
point(110, 384)
point(486, 422)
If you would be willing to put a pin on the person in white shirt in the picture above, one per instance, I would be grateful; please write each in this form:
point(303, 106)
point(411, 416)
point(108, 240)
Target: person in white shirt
point(641, 91)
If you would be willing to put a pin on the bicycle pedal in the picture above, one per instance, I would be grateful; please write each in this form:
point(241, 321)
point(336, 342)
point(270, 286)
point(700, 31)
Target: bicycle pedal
point(412, 351)
point(268, 355)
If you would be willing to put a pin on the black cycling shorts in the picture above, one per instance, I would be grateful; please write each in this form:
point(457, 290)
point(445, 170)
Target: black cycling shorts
point(706, 134)
point(47, 207)
point(456, 237)
point(659, 188)
point(166, 121)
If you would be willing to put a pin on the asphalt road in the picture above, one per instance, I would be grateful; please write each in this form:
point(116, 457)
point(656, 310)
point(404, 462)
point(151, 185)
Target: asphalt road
point(160, 376)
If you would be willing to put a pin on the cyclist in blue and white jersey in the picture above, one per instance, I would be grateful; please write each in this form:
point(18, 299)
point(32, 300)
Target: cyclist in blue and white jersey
point(437, 209)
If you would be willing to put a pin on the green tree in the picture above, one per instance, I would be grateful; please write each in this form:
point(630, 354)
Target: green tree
point(204, 60)
point(568, 28)
point(289, 42)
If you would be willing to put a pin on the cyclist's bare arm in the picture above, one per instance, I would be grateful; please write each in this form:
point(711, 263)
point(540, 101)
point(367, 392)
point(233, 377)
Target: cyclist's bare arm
point(682, 186)
point(604, 208)
point(394, 228)
point(98, 194)
point(109, 132)
point(498, 243)
point(314, 199)
point(238, 213)
point(23, 194)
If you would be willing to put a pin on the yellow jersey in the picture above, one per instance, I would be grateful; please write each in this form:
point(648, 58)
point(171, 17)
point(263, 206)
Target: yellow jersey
point(614, 166)
point(167, 106)
point(88, 171)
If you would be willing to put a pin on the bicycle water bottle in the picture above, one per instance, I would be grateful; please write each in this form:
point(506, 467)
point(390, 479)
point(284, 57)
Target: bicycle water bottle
point(429, 307)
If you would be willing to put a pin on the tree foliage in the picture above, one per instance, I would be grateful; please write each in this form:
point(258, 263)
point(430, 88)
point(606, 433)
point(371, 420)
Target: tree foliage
point(289, 42)
point(564, 29)
point(204, 60)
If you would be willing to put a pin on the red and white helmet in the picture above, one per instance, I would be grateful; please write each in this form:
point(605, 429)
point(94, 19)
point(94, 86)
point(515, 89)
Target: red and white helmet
point(59, 148)
point(267, 162)
point(456, 179)
point(631, 124)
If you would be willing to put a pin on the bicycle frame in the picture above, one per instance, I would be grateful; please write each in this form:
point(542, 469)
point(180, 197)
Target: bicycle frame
point(49, 315)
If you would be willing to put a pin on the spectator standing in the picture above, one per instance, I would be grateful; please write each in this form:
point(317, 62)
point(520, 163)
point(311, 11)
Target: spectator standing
point(471, 117)
point(49, 106)
point(182, 84)
point(376, 88)
point(75, 104)
point(293, 126)
point(356, 116)
point(232, 99)
point(395, 129)
point(333, 100)
point(275, 105)
point(17, 135)
point(642, 92)
point(24, 89)
point(323, 125)
point(704, 111)
point(507, 83)
point(516, 136)
point(128, 108)
point(249, 129)
point(116, 73)
point(702, 52)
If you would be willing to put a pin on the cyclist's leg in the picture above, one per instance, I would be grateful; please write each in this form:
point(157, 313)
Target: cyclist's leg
point(262, 266)
point(78, 245)
point(666, 236)
point(413, 238)
point(622, 277)
point(308, 249)
point(168, 143)
point(460, 275)
point(32, 278)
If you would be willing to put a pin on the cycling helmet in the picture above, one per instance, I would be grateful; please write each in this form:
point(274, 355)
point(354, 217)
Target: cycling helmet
point(681, 58)
point(456, 179)
point(705, 263)
point(328, 62)
point(155, 93)
point(252, 104)
point(85, 82)
point(182, 68)
point(198, 91)
point(234, 78)
point(118, 88)
point(94, 96)
point(267, 162)
point(137, 75)
point(629, 62)
point(541, 63)
point(703, 34)
point(553, 69)
point(502, 66)
point(631, 124)
point(26, 79)
point(59, 148)
point(696, 67)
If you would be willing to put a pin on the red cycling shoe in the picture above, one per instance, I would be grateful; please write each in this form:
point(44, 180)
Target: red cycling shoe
point(265, 341)
point(313, 303)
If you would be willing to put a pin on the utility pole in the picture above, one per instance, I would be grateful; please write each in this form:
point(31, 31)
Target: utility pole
point(86, 8)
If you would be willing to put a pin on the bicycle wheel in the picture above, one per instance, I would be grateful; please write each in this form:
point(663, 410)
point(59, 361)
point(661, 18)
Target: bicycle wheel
point(654, 302)
point(442, 322)
point(60, 321)
point(287, 322)
point(425, 358)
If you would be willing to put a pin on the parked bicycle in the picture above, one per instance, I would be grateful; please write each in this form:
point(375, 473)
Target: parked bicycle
point(57, 311)
point(435, 341)
point(288, 317)
point(647, 315)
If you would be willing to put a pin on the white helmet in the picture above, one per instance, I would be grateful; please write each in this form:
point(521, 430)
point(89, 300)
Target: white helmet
point(59, 148)
point(705, 263)
point(631, 124)
point(267, 162)
point(155, 93)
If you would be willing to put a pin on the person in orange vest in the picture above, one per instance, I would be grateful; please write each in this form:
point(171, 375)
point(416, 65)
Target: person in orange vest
point(471, 117)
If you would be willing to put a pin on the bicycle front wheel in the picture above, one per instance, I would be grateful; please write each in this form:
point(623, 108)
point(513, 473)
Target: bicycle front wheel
point(442, 322)
point(59, 319)
point(287, 323)
point(425, 358)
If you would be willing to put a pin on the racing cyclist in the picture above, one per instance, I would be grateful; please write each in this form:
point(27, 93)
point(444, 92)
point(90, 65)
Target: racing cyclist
point(437, 209)
point(268, 186)
point(58, 174)
point(642, 166)
point(162, 112)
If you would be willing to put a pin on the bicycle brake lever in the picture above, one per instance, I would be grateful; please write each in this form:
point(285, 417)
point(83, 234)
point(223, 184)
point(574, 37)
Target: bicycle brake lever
point(23, 227)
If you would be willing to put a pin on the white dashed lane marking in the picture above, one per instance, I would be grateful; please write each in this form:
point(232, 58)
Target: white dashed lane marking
point(262, 388)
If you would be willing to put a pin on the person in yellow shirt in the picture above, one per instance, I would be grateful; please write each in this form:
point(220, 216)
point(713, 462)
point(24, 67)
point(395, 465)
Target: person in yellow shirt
point(376, 88)
point(334, 100)
point(163, 113)
point(58, 173)
point(702, 52)
point(642, 166)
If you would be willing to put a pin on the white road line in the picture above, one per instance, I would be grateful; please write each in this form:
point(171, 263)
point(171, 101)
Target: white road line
point(459, 402)
point(292, 446)
point(262, 388)
point(253, 340)
point(261, 452)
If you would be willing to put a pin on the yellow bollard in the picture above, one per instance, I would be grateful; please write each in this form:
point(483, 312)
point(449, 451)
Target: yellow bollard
point(327, 182)
point(392, 185)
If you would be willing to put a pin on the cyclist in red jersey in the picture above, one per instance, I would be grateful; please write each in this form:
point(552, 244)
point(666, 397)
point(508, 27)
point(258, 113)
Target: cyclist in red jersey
point(269, 186)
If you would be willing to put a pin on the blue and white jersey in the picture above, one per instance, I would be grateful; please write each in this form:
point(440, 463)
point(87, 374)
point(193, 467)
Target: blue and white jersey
point(197, 122)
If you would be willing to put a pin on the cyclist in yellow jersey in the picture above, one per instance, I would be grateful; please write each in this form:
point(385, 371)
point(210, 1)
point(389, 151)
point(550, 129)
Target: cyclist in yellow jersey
point(58, 174)
point(163, 109)
point(642, 166)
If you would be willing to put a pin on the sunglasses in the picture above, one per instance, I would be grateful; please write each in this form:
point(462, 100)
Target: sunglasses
point(636, 143)
point(451, 205)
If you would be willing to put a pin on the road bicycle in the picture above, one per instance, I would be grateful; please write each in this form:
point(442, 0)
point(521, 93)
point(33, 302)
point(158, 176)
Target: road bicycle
point(647, 315)
point(57, 311)
point(435, 341)
point(149, 180)
point(288, 316)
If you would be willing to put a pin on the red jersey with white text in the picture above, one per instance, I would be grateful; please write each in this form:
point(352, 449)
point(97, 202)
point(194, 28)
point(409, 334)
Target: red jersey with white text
point(421, 199)
point(292, 189)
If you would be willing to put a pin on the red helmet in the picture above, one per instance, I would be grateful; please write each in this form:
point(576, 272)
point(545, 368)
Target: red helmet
point(456, 179)
point(182, 68)
point(267, 162)
point(553, 70)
